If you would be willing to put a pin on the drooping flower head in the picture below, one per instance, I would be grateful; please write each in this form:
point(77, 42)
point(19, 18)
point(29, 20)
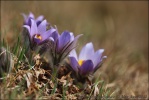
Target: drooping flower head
point(62, 45)
point(38, 34)
point(88, 60)
point(27, 18)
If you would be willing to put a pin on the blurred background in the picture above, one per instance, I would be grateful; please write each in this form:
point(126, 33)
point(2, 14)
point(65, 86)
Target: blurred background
point(120, 27)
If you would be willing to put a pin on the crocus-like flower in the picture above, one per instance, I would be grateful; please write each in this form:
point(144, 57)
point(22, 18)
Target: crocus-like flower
point(27, 18)
point(88, 60)
point(62, 45)
point(38, 34)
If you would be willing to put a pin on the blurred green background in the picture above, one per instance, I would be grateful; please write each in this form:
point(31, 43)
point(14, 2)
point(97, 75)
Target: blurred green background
point(120, 27)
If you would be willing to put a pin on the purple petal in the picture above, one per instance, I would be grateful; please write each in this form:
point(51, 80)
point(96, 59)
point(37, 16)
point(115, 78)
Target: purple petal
point(87, 52)
point(51, 39)
point(97, 57)
point(52, 43)
point(28, 22)
point(72, 44)
point(72, 36)
point(104, 57)
point(25, 17)
point(86, 67)
point(31, 15)
point(75, 40)
point(38, 23)
point(34, 29)
point(27, 27)
point(54, 35)
point(63, 40)
point(37, 40)
point(73, 54)
point(74, 64)
point(42, 27)
point(46, 34)
point(99, 64)
point(40, 18)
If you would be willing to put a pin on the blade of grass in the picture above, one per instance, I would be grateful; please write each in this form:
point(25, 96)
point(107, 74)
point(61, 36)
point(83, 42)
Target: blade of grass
point(20, 56)
point(100, 91)
point(107, 94)
point(16, 47)
point(65, 88)
point(96, 84)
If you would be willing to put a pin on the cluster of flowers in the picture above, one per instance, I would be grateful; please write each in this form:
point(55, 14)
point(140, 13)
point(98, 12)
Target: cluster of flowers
point(62, 45)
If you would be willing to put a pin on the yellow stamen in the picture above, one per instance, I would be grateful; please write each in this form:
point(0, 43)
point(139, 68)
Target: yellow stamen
point(80, 62)
point(38, 36)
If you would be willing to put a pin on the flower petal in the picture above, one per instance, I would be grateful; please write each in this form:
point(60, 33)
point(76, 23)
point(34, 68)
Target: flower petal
point(69, 47)
point(25, 17)
point(31, 15)
point(104, 57)
point(74, 64)
point(72, 44)
point(37, 40)
point(46, 34)
point(72, 36)
point(73, 54)
point(34, 29)
point(27, 27)
point(99, 64)
point(40, 18)
point(87, 52)
point(97, 57)
point(86, 67)
point(54, 35)
point(51, 39)
point(63, 40)
point(75, 40)
point(42, 27)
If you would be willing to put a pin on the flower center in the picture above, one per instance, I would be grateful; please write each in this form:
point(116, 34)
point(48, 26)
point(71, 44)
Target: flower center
point(38, 36)
point(80, 62)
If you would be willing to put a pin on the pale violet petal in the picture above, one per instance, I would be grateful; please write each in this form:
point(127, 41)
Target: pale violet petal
point(72, 37)
point(97, 57)
point(47, 34)
point(74, 64)
point(34, 29)
point(40, 18)
point(31, 15)
point(87, 52)
point(42, 27)
point(73, 44)
point(73, 54)
point(51, 39)
point(63, 40)
point(25, 17)
point(27, 27)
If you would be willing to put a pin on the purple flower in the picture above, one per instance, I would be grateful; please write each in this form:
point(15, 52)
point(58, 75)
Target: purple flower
point(88, 60)
point(38, 34)
point(62, 45)
point(27, 18)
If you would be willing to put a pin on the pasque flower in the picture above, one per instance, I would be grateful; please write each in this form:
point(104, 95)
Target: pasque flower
point(62, 45)
point(27, 18)
point(38, 34)
point(88, 60)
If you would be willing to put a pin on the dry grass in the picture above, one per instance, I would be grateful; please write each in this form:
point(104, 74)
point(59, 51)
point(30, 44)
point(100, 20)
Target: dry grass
point(121, 28)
